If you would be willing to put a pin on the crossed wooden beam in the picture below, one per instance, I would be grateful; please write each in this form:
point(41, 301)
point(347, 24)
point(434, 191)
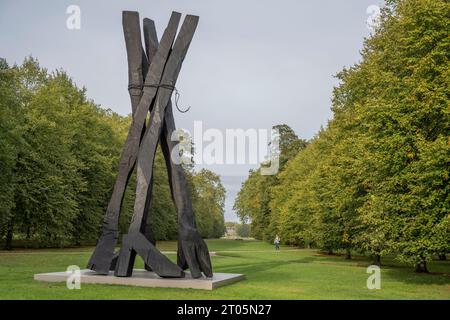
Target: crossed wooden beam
point(152, 74)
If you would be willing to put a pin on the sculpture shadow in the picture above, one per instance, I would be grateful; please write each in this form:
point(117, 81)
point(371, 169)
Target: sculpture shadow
point(258, 265)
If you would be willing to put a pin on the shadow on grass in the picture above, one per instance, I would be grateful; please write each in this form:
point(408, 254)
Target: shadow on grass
point(439, 271)
point(220, 245)
point(262, 265)
point(407, 275)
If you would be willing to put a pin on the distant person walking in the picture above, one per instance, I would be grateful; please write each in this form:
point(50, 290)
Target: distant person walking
point(277, 242)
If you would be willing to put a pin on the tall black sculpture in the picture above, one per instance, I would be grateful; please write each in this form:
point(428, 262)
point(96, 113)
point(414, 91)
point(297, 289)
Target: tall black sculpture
point(152, 74)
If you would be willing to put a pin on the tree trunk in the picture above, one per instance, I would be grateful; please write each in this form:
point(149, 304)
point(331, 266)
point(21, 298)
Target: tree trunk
point(348, 255)
point(421, 267)
point(442, 257)
point(77, 240)
point(9, 236)
point(377, 260)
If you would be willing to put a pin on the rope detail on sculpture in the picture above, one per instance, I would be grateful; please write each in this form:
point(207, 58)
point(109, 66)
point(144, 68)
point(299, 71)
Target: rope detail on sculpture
point(165, 86)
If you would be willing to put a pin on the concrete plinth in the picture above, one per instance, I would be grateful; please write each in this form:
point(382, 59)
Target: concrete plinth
point(144, 278)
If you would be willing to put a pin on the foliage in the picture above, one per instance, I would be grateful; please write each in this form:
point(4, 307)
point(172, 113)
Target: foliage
point(59, 156)
point(376, 179)
point(252, 201)
point(209, 203)
point(243, 230)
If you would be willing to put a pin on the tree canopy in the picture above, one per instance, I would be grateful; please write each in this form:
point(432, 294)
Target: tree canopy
point(59, 155)
point(376, 179)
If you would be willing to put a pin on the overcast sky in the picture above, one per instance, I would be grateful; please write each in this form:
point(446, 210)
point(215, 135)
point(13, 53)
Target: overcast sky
point(252, 64)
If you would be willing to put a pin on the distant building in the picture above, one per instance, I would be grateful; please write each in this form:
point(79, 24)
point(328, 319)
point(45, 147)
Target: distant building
point(231, 231)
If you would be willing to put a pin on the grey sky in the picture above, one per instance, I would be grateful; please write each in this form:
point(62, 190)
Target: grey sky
point(252, 64)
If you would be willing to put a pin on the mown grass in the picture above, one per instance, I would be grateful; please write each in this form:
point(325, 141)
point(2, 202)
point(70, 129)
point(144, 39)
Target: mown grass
point(287, 274)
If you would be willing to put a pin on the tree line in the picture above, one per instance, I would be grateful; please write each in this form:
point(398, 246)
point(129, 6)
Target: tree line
point(59, 154)
point(375, 180)
point(235, 229)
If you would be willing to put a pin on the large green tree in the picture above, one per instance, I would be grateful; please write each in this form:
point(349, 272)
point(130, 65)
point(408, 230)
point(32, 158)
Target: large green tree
point(209, 203)
point(376, 179)
point(11, 111)
point(252, 201)
point(59, 156)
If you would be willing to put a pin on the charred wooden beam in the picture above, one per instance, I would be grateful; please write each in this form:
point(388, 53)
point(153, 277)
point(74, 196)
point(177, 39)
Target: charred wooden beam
point(104, 252)
point(150, 140)
point(160, 65)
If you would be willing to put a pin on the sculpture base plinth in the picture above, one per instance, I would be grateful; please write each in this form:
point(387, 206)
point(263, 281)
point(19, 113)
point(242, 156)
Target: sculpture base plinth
point(144, 278)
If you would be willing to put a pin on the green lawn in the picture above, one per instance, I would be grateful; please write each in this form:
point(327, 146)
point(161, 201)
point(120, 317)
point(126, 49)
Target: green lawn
point(288, 274)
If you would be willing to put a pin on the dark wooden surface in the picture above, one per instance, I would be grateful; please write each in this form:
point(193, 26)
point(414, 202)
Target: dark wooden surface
point(192, 250)
point(104, 252)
